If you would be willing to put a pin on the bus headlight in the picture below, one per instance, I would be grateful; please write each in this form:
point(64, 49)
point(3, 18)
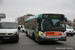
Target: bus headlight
point(41, 34)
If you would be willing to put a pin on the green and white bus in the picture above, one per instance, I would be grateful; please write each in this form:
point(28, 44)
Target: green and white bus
point(46, 27)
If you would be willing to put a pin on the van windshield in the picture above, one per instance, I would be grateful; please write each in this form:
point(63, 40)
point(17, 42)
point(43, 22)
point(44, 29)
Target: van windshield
point(8, 25)
point(68, 27)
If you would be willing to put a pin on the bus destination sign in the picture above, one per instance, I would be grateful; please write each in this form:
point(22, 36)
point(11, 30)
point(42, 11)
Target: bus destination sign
point(52, 16)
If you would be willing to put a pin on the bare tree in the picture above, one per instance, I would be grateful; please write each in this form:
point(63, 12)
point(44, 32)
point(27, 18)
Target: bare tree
point(69, 22)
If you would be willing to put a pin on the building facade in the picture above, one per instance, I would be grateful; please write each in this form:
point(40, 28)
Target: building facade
point(23, 18)
point(20, 21)
point(74, 24)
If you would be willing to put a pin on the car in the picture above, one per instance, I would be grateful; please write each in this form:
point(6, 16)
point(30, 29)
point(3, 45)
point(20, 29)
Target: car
point(21, 28)
point(69, 30)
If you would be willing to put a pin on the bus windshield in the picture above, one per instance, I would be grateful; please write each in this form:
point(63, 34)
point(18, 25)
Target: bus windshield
point(8, 25)
point(52, 25)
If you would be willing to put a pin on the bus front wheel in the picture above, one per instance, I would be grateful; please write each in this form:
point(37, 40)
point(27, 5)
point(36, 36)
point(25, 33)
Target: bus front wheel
point(26, 33)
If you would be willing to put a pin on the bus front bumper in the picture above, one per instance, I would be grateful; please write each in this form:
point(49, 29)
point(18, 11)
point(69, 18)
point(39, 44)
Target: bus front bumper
point(51, 39)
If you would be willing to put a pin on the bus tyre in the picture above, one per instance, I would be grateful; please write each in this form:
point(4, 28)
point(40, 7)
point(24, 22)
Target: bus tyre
point(33, 36)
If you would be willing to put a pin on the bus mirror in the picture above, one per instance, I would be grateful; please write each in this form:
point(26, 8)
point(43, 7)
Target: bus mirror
point(26, 22)
point(38, 20)
point(66, 19)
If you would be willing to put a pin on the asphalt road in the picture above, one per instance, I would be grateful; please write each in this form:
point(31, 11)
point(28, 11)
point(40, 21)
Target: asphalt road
point(26, 43)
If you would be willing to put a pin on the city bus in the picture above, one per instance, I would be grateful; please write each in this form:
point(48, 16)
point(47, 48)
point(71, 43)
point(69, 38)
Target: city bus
point(46, 27)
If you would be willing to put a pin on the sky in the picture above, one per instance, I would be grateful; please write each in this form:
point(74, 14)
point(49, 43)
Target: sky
point(17, 8)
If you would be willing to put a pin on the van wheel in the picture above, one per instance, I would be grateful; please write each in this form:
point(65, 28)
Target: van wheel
point(16, 41)
point(71, 35)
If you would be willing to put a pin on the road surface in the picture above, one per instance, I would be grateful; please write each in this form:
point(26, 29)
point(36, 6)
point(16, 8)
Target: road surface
point(26, 43)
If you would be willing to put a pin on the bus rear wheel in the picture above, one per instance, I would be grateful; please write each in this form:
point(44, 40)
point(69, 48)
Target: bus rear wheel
point(33, 36)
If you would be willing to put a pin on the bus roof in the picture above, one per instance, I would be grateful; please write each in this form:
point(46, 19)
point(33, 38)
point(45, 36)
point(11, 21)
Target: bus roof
point(32, 17)
point(40, 15)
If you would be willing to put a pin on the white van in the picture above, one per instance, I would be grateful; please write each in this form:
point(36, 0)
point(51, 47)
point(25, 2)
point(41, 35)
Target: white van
point(69, 30)
point(9, 30)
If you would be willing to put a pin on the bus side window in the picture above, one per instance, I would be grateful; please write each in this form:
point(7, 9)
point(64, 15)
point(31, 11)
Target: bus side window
point(32, 24)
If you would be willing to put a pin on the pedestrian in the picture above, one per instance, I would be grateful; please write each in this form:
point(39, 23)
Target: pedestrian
point(19, 28)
